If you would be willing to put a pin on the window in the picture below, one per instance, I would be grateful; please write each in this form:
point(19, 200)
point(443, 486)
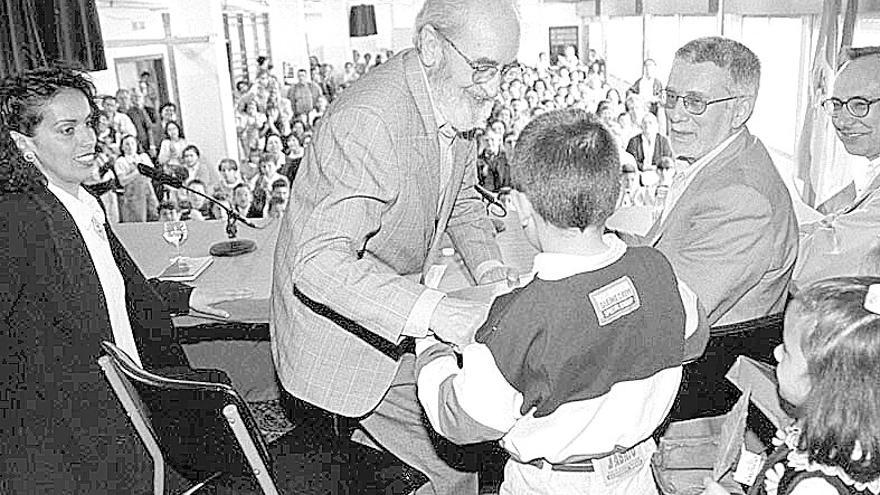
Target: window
point(561, 37)
point(247, 37)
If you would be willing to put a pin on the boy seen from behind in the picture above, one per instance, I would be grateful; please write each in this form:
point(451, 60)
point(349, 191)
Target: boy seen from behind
point(574, 371)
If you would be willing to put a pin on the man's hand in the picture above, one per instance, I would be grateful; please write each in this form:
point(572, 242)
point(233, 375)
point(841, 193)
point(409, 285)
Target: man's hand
point(500, 273)
point(202, 300)
point(455, 321)
point(713, 488)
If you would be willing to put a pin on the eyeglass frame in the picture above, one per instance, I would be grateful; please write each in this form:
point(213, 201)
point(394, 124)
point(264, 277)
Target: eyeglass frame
point(476, 67)
point(664, 97)
point(845, 104)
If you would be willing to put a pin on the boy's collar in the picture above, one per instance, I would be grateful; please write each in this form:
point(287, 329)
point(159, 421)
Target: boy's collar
point(556, 266)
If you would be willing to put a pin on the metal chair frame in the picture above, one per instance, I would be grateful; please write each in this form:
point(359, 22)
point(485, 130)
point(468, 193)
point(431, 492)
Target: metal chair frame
point(122, 373)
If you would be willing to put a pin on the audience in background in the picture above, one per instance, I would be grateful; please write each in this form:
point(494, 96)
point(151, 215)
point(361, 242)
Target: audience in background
point(649, 146)
point(230, 176)
point(120, 122)
point(648, 86)
point(138, 202)
point(194, 167)
point(172, 146)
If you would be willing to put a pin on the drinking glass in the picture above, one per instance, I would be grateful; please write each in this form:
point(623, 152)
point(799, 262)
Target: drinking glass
point(175, 233)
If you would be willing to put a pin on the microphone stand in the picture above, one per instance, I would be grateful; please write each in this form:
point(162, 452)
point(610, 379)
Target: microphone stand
point(232, 247)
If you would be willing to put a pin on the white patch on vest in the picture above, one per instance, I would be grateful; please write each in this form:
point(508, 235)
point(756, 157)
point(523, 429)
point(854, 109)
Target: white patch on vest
point(615, 300)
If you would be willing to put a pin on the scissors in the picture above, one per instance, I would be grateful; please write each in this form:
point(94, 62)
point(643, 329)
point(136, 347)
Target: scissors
point(493, 205)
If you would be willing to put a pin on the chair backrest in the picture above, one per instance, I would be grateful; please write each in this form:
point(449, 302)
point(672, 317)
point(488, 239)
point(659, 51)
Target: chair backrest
point(139, 416)
point(189, 423)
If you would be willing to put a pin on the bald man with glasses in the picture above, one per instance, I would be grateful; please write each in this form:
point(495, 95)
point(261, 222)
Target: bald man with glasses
point(727, 226)
point(390, 171)
point(845, 242)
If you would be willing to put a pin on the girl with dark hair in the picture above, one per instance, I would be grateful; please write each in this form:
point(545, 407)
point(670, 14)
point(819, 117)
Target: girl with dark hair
point(66, 285)
point(138, 202)
point(829, 370)
point(173, 144)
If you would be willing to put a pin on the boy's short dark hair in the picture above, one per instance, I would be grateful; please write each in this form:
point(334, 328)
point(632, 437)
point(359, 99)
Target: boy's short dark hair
point(568, 165)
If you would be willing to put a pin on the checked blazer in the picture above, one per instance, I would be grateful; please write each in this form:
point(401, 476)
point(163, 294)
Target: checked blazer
point(365, 219)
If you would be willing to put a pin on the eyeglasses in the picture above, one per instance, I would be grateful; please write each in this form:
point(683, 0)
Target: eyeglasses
point(694, 105)
point(857, 106)
point(484, 72)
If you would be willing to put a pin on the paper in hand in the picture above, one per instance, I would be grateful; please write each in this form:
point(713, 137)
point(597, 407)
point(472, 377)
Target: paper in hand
point(732, 436)
point(761, 379)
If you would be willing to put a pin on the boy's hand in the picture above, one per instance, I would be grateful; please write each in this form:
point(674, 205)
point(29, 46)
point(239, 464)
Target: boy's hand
point(713, 488)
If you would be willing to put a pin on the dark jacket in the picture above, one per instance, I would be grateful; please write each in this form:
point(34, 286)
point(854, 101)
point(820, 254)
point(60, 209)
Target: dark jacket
point(62, 429)
point(661, 149)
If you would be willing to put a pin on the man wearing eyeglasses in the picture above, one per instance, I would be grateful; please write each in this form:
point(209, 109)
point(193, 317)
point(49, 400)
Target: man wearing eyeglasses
point(727, 225)
point(389, 171)
point(842, 242)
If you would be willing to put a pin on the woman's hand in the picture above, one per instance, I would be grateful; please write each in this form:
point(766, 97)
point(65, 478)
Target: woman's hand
point(202, 300)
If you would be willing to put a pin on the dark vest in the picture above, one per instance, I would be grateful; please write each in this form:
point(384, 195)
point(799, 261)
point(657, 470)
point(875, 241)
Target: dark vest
point(573, 339)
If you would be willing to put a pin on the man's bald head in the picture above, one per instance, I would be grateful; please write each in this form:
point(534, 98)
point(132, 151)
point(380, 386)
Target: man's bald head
point(456, 18)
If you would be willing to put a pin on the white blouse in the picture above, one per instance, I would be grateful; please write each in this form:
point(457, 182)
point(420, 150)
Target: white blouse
point(91, 222)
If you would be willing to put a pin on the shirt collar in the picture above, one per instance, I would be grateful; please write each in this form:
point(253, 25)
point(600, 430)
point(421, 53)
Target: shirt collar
point(556, 266)
point(83, 207)
point(715, 151)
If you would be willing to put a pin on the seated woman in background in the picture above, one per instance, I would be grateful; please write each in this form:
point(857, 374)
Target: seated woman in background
point(230, 176)
point(67, 285)
point(139, 201)
point(649, 146)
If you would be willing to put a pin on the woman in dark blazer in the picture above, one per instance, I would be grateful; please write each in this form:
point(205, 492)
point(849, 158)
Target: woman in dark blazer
point(651, 139)
point(61, 428)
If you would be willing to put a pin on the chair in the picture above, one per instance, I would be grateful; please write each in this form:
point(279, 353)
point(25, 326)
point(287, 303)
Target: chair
point(214, 431)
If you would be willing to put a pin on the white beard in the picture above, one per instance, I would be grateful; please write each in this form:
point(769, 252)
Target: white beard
point(462, 109)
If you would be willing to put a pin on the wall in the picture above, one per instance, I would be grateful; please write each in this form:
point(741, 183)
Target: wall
point(538, 17)
point(119, 26)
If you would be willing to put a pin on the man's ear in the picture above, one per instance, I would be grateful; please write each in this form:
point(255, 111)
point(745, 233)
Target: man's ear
point(429, 47)
point(742, 110)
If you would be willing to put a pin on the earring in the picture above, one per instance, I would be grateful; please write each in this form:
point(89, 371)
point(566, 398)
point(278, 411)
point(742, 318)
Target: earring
point(30, 157)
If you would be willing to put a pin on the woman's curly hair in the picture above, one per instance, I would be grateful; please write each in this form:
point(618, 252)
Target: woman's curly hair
point(22, 98)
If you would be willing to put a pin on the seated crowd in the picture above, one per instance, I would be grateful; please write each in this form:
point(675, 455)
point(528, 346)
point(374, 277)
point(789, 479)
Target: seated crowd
point(274, 123)
point(570, 83)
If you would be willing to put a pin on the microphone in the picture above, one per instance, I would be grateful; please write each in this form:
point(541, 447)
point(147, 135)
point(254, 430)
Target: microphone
point(161, 177)
point(233, 247)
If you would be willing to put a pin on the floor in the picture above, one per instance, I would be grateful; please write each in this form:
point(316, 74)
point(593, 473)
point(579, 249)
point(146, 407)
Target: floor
point(314, 455)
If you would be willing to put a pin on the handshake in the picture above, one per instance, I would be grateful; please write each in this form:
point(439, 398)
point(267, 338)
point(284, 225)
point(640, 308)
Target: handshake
point(456, 320)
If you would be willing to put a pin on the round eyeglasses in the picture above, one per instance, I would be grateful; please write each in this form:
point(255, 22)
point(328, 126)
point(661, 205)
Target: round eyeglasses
point(857, 106)
point(693, 104)
point(483, 72)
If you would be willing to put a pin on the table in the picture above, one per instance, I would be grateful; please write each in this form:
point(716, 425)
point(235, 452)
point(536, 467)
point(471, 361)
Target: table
point(241, 346)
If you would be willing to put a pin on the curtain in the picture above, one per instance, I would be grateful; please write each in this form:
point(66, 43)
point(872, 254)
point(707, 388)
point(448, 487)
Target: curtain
point(36, 33)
